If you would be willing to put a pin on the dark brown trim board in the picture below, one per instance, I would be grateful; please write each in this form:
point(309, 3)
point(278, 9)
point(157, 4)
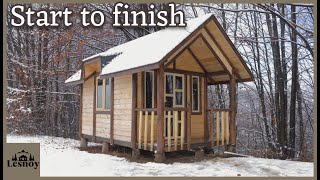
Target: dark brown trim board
point(205, 105)
point(160, 109)
point(133, 113)
point(112, 112)
point(200, 96)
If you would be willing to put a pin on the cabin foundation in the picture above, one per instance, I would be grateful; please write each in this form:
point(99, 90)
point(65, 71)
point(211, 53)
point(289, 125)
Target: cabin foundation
point(105, 147)
point(83, 142)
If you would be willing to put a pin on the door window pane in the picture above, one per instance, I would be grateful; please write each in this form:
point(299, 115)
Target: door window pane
point(169, 101)
point(178, 82)
point(108, 93)
point(169, 84)
point(99, 93)
point(149, 92)
point(178, 98)
point(195, 94)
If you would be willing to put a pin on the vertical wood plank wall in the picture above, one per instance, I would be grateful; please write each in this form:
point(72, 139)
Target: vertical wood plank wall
point(87, 107)
point(122, 107)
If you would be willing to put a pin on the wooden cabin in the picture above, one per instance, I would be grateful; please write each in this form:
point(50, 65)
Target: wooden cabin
point(151, 93)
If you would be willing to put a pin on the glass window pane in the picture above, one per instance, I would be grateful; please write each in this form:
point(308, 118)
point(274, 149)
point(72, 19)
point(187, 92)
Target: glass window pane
point(169, 84)
point(178, 82)
point(149, 93)
point(108, 94)
point(99, 94)
point(178, 98)
point(195, 94)
point(169, 102)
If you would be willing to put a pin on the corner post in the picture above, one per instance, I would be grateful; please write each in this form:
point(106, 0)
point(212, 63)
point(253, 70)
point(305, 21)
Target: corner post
point(133, 115)
point(233, 135)
point(160, 154)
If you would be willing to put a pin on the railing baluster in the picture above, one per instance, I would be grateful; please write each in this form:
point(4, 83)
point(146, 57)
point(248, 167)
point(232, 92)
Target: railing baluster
point(145, 130)
point(175, 130)
point(227, 127)
point(222, 126)
point(152, 129)
point(169, 130)
point(218, 128)
point(212, 127)
point(182, 130)
point(140, 129)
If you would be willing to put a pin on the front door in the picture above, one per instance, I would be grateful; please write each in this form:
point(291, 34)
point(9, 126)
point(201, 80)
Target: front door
point(174, 93)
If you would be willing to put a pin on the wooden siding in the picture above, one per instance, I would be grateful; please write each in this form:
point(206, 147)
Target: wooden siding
point(122, 107)
point(103, 125)
point(87, 107)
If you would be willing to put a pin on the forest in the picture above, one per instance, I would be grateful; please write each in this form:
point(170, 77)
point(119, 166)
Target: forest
point(275, 113)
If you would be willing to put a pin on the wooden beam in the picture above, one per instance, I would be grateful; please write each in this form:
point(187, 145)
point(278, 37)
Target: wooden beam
point(189, 111)
point(222, 52)
point(232, 126)
point(160, 110)
point(197, 60)
point(112, 111)
point(180, 52)
point(184, 72)
point(216, 56)
point(205, 113)
point(133, 113)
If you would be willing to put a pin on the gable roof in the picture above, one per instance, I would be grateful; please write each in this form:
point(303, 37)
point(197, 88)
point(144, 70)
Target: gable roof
point(150, 49)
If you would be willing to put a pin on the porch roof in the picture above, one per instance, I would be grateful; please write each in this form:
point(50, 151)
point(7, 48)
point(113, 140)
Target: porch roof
point(150, 50)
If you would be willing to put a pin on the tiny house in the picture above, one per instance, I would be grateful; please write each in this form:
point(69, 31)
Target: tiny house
point(151, 93)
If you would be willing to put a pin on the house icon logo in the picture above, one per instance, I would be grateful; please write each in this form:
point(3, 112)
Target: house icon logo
point(23, 159)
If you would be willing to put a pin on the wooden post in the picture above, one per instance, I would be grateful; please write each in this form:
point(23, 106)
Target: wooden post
point(189, 127)
point(112, 111)
point(169, 131)
point(205, 112)
point(145, 143)
point(218, 128)
point(232, 92)
point(94, 108)
point(175, 120)
point(227, 128)
point(140, 130)
point(160, 156)
point(182, 130)
point(133, 113)
point(222, 126)
point(212, 127)
point(80, 118)
point(152, 131)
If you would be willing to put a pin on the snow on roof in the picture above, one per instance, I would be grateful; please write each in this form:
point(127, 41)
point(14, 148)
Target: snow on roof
point(75, 77)
point(148, 49)
point(145, 50)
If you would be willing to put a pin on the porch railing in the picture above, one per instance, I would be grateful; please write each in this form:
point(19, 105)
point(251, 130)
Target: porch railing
point(146, 128)
point(219, 126)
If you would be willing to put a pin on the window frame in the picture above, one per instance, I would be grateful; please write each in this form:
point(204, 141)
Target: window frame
point(182, 90)
point(145, 89)
point(103, 94)
point(199, 95)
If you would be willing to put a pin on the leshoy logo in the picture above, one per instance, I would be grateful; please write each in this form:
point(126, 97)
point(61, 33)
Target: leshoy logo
point(23, 159)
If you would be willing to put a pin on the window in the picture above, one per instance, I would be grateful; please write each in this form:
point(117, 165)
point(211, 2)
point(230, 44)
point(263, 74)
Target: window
point(99, 93)
point(195, 94)
point(149, 89)
point(103, 94)
point(174, 90)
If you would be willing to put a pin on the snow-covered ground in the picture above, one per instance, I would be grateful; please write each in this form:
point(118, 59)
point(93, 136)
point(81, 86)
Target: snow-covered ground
point(61, 157)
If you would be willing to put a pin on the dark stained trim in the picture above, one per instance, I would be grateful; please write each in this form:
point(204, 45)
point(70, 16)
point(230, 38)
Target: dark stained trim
point(102, 112)
point(200, 96)
point(233, 47)
point(215, 55)
point(217, 73)
point(197, 60)
point(144, 109)
point(185, 105)
point(185, 72)
point(90, 76)
point(155, 89)
point(133, 113)
point(112, 112)
point(94, 107)
point(143, 73)
point(223, 53)
point(160, 109)
point(205, 113)
point(80, 116)
point(148, 67)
